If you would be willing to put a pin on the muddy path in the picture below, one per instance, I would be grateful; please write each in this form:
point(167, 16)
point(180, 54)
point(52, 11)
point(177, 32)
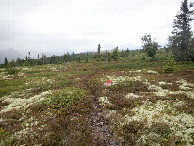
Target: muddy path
point(103, 135)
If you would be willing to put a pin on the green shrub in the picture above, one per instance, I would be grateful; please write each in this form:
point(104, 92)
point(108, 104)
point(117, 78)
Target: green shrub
point(67, 97)
point(5, 137)
point(170, 65)
point(11, 69)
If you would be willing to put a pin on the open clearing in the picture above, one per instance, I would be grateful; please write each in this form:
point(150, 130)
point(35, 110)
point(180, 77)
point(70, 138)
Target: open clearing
point(69, 104)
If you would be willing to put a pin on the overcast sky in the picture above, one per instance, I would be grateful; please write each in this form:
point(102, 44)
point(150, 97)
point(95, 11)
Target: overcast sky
point(80, 25)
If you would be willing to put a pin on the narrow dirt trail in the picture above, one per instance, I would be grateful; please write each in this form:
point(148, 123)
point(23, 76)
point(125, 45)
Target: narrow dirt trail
point(103, 136)
point(99, 125)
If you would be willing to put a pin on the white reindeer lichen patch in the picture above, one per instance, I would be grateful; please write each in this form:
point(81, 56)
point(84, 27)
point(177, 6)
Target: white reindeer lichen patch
point(104, 101)
point(181, 124)
point(144, 71)
point(5, 76)
point(156, 89)
point(152, 72)
point(30, 122)
point(17, 103)
point(185, 85)
point(159, 91)
point(135, 71)
point(120, 79)
point(164, 83)
point(40, 81)
point(131, 95)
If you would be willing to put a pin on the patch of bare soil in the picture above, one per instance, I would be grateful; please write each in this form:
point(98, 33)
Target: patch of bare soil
point(102, 134)
point(99, 125)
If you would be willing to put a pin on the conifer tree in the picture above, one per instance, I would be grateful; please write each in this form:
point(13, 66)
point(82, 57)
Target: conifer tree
point(98, 53)
point(180, 40)
point(6, 61)
point(115, 54)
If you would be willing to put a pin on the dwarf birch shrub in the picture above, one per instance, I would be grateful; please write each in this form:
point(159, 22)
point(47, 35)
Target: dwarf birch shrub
point(5, 137)
point(67, 97)
point(11, 69)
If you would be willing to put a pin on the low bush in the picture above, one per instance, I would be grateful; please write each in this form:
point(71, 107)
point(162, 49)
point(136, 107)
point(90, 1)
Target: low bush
point(5, 137)
point(12, 70)
point(67, 97)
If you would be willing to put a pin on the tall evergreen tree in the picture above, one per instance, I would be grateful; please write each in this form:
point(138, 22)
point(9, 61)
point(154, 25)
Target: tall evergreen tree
point(6, 61)
point(98, 53)
point(108, 57)
point(180, 41)
point(29, 55)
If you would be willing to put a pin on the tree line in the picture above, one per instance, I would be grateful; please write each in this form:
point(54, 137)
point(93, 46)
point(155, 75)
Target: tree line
point(97, 56)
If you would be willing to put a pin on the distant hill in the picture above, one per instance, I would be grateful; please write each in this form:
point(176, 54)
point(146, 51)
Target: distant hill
point(10, 54)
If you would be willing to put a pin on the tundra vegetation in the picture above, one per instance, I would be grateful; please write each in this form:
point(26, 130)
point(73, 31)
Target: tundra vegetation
point(147, 103)
point(64, 100)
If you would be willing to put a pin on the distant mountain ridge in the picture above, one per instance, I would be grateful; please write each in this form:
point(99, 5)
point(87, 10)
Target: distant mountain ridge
point(14, 54)
point(10, 54)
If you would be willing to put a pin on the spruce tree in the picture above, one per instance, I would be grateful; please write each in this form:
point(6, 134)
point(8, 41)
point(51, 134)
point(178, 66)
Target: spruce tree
point(180, 41)
point(98, 53)
point(6, 62)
